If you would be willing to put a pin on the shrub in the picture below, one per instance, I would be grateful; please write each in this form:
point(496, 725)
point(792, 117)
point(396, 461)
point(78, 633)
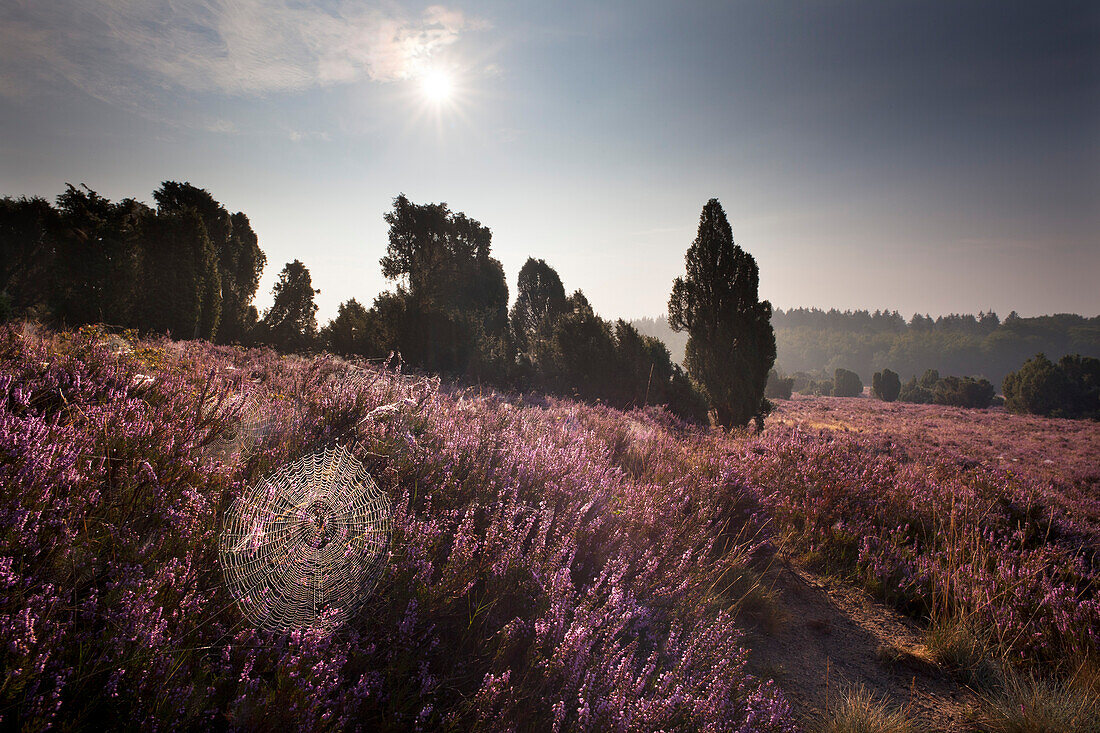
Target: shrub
point(858, 711)
point(963, 392)
point(886, 385)
point(914, 391)
point(1070, 388)
point(778, 387)
point(846, 384)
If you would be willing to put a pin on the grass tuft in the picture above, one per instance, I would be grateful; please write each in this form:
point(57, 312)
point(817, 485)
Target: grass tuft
point(1025, 704)
point(955, 643)
point(858, 711)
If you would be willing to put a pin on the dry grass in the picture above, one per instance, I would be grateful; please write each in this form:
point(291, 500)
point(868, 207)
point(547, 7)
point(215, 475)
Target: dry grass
point(955, 643)
point(1030, 705)
point(858, 711)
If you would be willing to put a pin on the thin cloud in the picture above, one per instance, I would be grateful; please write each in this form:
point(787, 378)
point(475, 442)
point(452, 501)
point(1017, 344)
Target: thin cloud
point(134, 52)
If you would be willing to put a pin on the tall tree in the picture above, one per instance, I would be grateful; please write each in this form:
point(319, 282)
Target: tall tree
point(96, 257)
point(731, 345)
point(347, 333)
point(240, 261)
point(291, 322)
point(180, 279)
point(241, 267)
point(540, 300)
point(455, 295)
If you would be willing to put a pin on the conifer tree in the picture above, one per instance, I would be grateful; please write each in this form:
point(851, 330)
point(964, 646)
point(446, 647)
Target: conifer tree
point(731, 345)
point(291, 321)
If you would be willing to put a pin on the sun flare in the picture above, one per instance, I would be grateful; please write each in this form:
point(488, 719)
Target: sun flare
point(437, 86)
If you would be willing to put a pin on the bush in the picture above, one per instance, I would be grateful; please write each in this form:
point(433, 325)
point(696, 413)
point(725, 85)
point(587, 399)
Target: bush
point(1070, 388)
point(846, 384)
point(886, 385)
point(913, 391)
point(778, 387)
point(805, 384)
point(963, 392)
point(953, 391)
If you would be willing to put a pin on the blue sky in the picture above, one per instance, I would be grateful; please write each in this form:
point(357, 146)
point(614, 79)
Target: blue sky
point(932, 157)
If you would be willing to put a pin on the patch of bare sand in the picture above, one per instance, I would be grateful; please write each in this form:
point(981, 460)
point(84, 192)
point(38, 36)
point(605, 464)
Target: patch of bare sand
point(832, 638)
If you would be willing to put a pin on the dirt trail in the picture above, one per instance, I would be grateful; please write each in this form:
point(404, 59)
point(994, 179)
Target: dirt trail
point(831, 627)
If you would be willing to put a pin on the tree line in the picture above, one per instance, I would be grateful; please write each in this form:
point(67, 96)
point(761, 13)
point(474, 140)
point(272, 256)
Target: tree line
point(817, 342)
point(189, 268)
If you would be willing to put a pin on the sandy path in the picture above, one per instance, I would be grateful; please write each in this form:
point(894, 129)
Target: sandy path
point(832, 637)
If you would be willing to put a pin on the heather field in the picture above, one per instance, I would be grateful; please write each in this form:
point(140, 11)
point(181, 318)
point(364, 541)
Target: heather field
point(552, 565)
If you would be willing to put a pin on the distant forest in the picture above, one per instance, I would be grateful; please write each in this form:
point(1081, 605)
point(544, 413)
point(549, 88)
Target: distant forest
point(818, 342)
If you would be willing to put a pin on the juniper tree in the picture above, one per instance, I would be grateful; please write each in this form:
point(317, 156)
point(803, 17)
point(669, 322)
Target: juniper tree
point(291, 321)
point(886, 385)
point(731, 345)
point(540, 300)
point(453, 292)
point(240, 261)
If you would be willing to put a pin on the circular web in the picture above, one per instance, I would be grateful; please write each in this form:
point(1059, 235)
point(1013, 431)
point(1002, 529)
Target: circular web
point(303, 548)
point(253, 425)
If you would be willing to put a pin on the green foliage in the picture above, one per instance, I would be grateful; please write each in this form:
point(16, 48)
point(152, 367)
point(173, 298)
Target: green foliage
point(240, 261)
point(454, 297)
point(96, 258)
point(886, 385)
point(28, 235)
point(931, 388)
point(582, 349)
point(912, 391)
point(1070, 388)
point(291, 322)
point(846, 383)
point(347, 334)
point(929, 379)
point(189, 267)
point(563, 346)
point(963, 392)
point(778, 387)
point(179, 283)
point(865, 342)
point(808, 384)
point(540, 300)
point(731, 346)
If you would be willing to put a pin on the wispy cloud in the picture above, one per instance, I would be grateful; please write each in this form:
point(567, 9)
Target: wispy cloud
point(134, 51)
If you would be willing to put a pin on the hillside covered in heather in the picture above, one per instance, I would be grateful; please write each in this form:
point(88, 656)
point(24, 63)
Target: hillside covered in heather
point(553, 565)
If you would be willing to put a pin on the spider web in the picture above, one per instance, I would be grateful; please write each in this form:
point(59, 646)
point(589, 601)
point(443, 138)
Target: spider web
point(304, 548)
point(253, 426)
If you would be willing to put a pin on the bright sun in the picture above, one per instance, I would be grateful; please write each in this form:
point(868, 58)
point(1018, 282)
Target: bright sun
point(437, 86)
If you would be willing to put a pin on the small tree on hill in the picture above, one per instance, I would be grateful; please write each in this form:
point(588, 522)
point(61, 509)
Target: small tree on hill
point(731, 345)
point(455, 297)
point(886, 385)
point(846, 384)
point(347, 333)
point(540, 300)
point(1070, 388)
point(291, 322)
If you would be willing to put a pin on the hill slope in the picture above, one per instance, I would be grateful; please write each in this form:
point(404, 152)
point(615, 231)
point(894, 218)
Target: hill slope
point(553, 565)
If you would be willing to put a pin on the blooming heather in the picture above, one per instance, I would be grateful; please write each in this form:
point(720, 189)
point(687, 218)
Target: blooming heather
point(548, 569)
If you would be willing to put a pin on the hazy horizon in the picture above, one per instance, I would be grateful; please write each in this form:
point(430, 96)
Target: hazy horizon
point(931, 158)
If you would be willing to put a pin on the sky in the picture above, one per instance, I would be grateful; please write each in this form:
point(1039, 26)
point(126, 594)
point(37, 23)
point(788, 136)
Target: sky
point(931, 157)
